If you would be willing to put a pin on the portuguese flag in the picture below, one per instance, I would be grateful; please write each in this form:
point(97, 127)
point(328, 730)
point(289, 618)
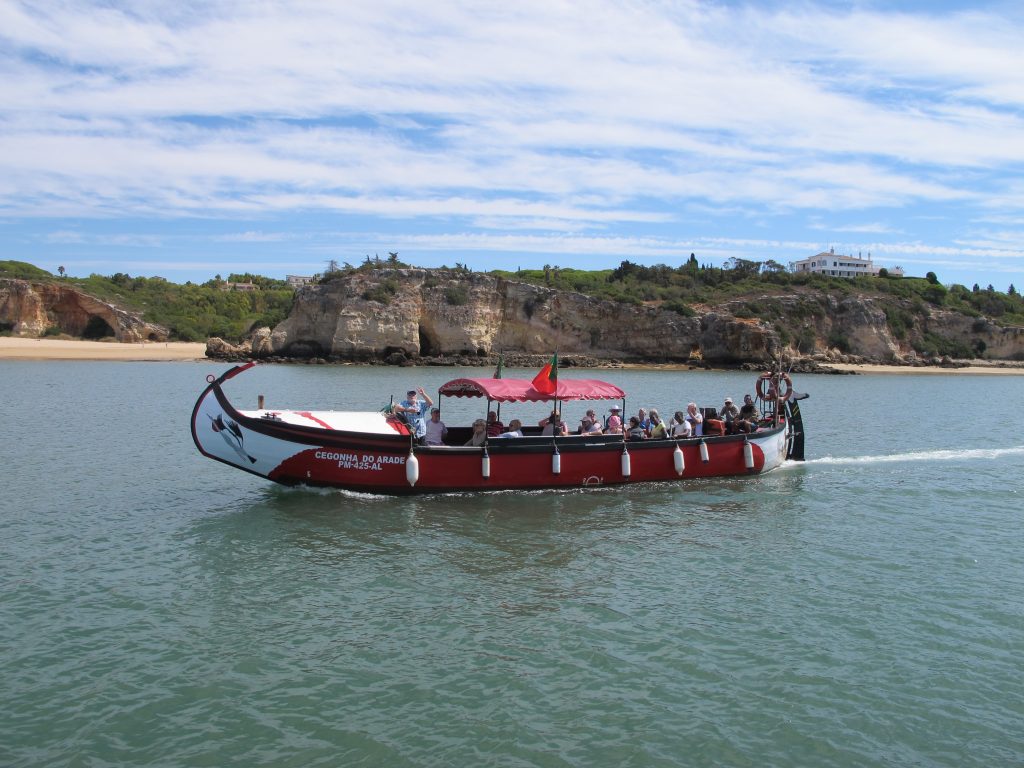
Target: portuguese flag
point(501, 366)
point(547, 380)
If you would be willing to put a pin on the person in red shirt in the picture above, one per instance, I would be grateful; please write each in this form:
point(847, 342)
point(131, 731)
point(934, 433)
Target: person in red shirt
point(494, 427)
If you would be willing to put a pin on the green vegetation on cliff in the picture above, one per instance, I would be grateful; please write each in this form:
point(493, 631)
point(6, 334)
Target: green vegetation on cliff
point(746, 289)
point(20, 270)
point(692, 285)
point(191, 312)
point(196, 312)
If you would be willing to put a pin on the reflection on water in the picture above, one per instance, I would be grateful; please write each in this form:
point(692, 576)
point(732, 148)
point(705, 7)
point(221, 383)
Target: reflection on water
point(536, 535)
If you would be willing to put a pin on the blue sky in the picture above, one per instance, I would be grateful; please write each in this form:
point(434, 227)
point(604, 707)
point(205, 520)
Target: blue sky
point(193, 138)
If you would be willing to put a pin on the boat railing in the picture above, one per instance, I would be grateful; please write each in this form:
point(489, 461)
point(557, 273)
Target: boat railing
point(457, 436)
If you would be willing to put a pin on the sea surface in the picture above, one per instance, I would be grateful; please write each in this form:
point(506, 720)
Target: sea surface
point(864, 608)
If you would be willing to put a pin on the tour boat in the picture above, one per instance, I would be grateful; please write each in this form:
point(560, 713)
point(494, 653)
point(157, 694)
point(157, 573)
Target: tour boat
point(377, 452)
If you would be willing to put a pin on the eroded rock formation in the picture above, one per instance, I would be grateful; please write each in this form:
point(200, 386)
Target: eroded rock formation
point(413, 313)
point(30, 308)
point(402, 315)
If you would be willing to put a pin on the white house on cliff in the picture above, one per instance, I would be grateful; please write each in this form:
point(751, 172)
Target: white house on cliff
point(840, 266)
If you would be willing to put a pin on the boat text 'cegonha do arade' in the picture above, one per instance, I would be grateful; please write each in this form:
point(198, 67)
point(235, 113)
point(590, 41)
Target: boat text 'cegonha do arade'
point(378, 452)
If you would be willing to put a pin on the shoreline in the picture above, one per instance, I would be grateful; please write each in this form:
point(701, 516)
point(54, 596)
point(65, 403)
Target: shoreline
point(1007, 369)
point(20, 348)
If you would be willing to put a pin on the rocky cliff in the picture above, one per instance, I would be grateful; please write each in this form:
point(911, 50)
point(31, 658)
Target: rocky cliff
point(30, 308)
point(878, 329)
point(405, 314)
point(414, 313)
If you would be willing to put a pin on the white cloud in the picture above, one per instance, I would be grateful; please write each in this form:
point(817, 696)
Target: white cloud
point(254, 237)
point(872, 228)
point(596, 120)
point(123, 240)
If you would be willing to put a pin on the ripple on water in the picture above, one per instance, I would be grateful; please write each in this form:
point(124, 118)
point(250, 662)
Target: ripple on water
point(862, 608)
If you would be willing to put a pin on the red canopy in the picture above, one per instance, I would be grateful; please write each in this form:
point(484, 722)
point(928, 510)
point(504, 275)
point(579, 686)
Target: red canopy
point(521, 390)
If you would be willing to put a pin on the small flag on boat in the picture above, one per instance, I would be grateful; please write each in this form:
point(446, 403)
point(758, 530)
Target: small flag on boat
point(547, 380)
point(501, 364)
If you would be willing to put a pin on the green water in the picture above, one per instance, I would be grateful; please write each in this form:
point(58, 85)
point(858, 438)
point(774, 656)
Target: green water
point(864, 608)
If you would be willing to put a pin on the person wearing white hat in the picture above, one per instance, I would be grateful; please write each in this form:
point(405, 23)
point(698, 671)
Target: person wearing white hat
point(730, 415)
point(614, 424)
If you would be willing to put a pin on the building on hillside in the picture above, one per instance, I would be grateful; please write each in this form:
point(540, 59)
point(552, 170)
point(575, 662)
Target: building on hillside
point(239, 286)
point(840, 266)
point(297, 281)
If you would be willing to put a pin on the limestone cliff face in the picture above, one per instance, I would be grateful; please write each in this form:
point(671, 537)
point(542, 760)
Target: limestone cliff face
point(815, 323)
point(420, 313)
point(999, 342)
point(32, 307)
point(408, 313)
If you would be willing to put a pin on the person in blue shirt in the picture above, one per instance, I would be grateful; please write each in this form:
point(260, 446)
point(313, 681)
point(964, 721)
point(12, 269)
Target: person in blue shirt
point(416, 409)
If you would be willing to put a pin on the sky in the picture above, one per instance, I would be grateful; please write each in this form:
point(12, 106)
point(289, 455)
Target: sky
point(193, 138)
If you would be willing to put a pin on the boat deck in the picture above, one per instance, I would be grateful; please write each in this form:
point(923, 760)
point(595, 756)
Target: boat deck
point(371, 422)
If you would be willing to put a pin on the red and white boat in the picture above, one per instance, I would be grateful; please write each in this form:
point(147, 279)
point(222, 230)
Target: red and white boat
point(376, 452)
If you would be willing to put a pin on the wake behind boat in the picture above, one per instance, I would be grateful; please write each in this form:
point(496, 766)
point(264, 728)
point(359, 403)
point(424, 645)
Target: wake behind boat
point(377, 452)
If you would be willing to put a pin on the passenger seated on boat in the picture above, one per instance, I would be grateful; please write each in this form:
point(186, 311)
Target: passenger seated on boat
point(553, 425)
point(515, 429)
point(635, 431)
point(435, 428)
point(494, 427)
point(729, 414)
point(613, 426)
point(645, 420)
point(658, 431)
point(479, 436)
point(748, 411)
point(696, 420)
point(589, 425)
point(680, 427)
point(748, 416)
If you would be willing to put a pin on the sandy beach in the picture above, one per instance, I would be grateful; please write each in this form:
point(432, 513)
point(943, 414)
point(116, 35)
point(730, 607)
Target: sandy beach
point(14, 348)
point(994, 369)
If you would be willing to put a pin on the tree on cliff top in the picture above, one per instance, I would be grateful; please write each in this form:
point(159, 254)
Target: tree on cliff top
point(743, 267)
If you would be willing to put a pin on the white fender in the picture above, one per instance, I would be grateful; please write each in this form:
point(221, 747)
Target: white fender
point(748, 454)
point(680, 462)
point(556, 462)
point(704, 452)
point(412, 469)
point(625, 462)
point(485, 465)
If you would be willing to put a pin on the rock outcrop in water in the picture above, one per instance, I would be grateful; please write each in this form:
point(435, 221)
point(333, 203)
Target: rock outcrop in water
point(399, 315)
point(30, 308)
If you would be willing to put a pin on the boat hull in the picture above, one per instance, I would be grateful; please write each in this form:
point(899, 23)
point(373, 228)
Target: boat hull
point(317, 455)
